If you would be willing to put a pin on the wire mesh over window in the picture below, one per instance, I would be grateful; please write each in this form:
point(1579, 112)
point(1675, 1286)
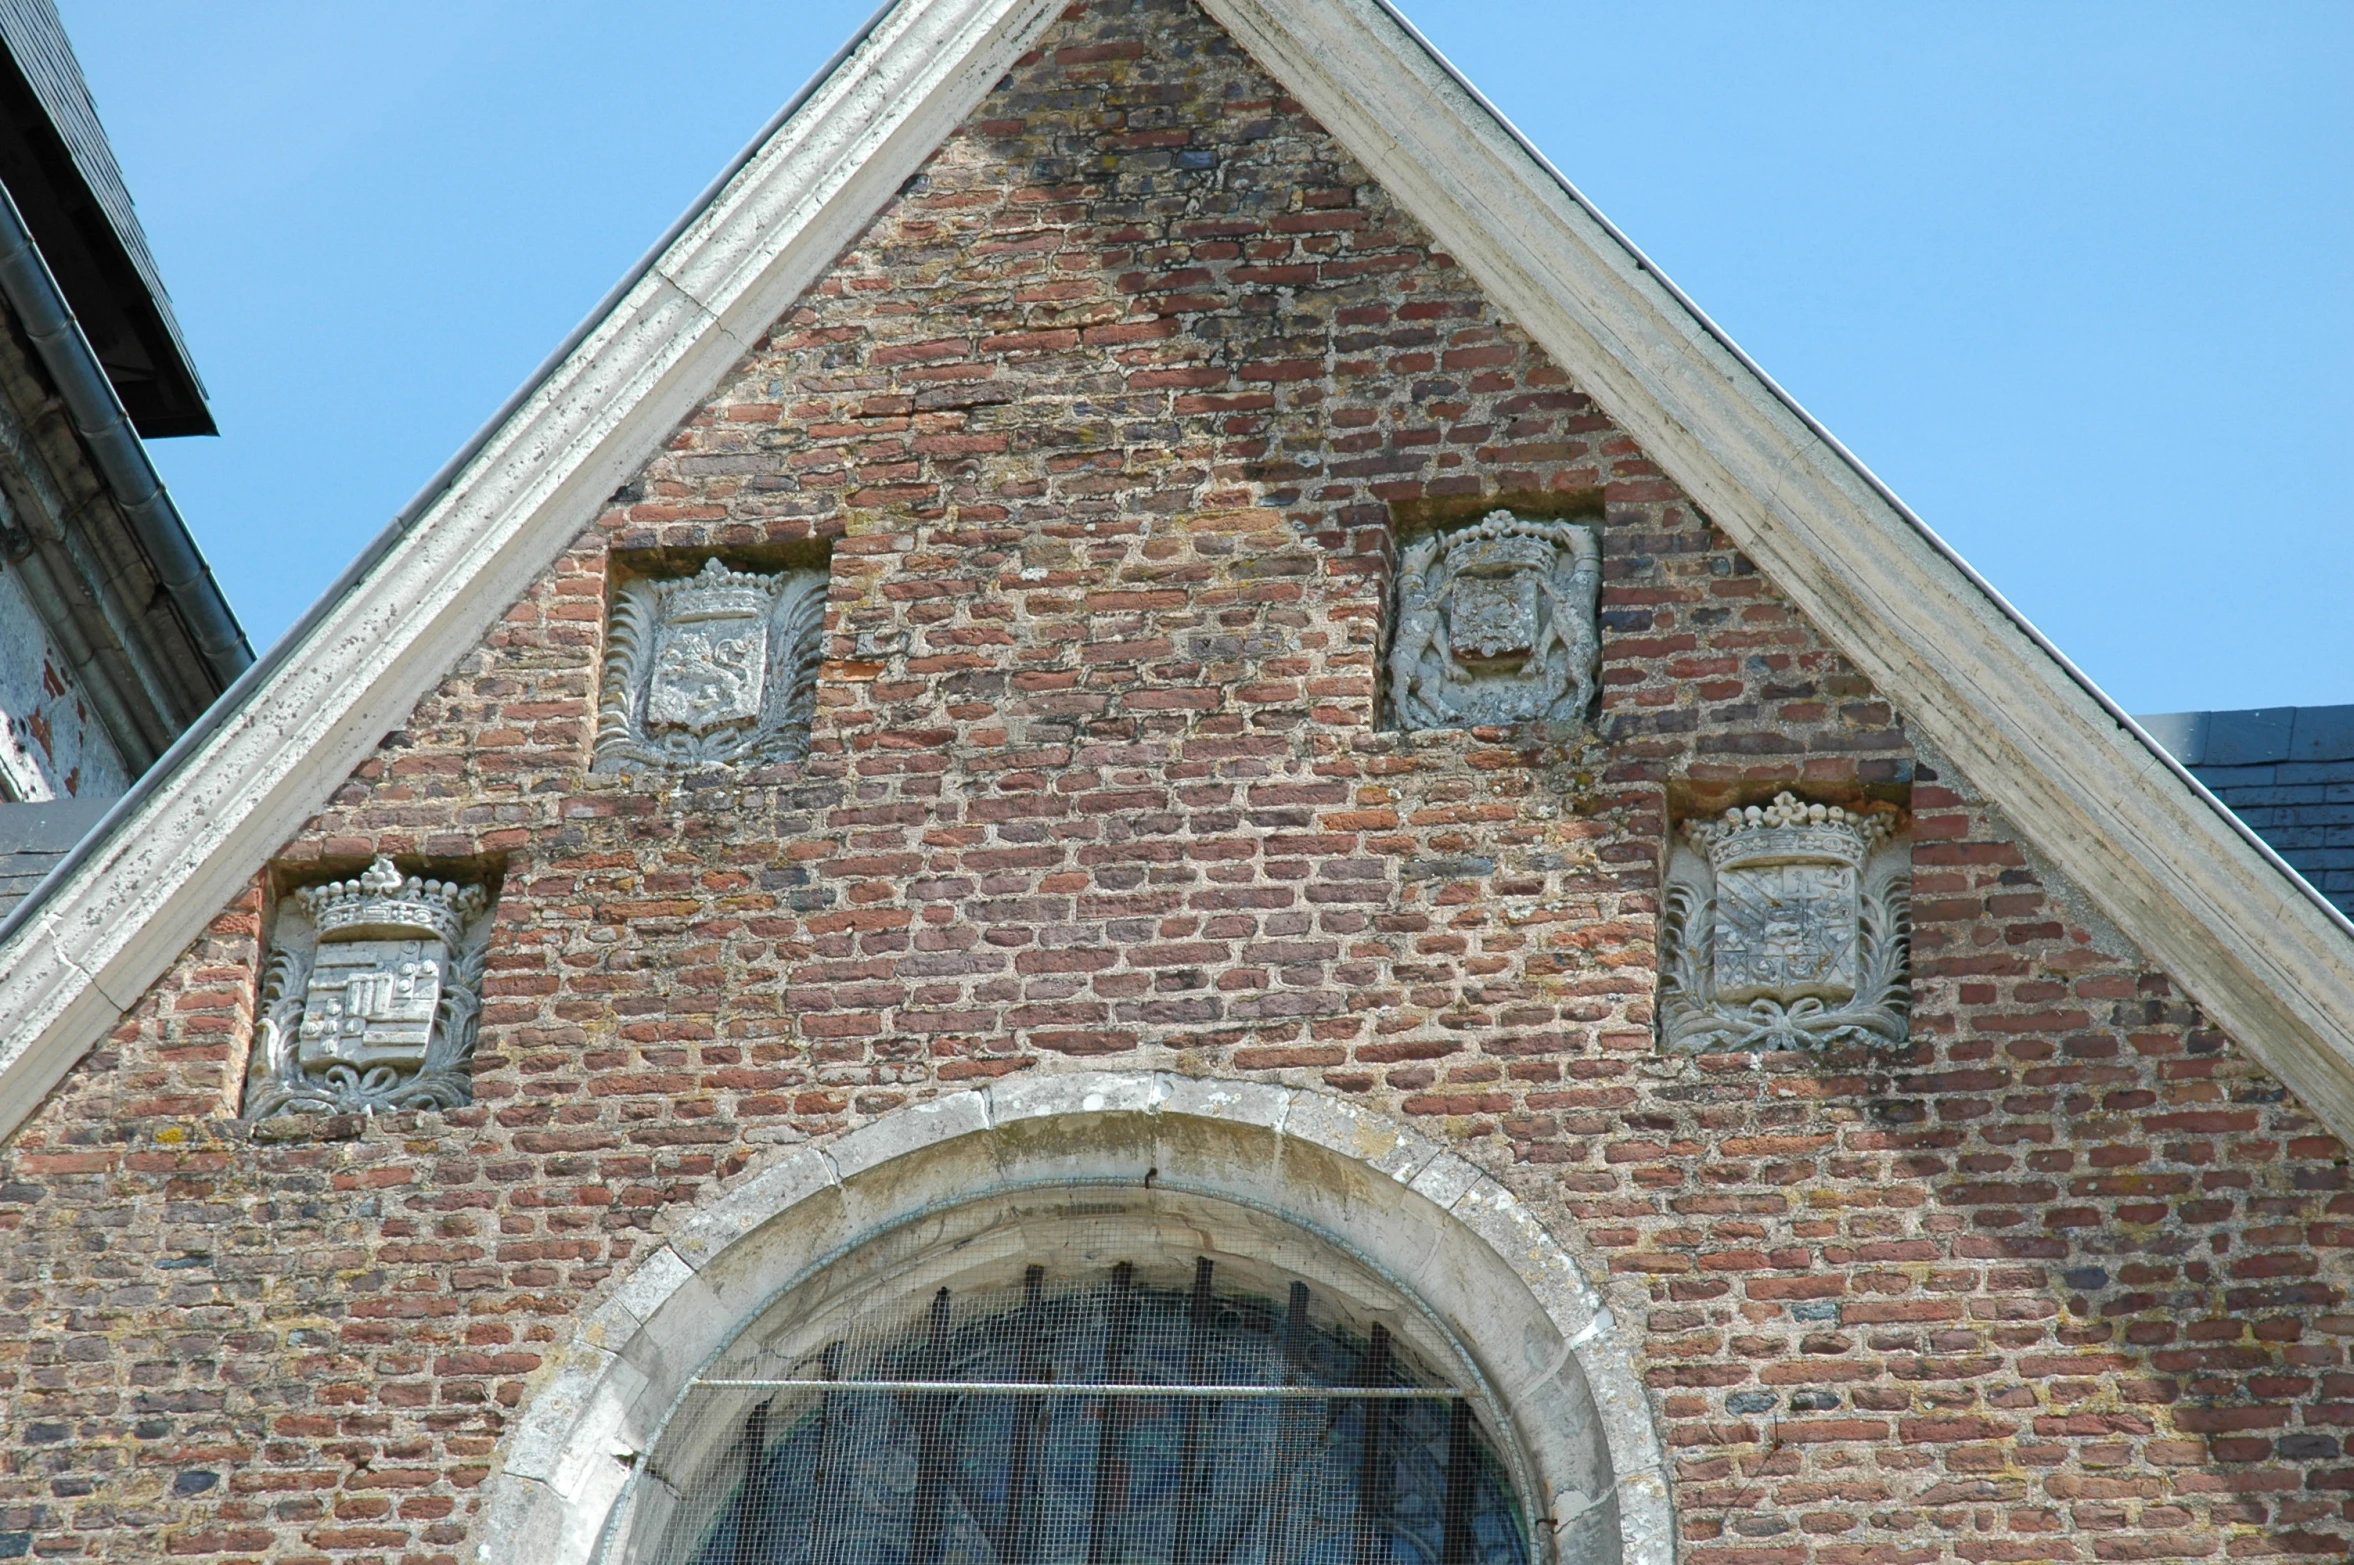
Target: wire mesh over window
point(1094, 1419)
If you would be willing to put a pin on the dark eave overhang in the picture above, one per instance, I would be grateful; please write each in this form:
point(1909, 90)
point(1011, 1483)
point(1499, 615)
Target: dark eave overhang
point(198, 606)
point(59, 169)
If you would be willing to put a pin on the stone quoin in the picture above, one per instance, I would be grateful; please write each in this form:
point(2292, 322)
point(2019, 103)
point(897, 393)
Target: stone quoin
point(1114, 688)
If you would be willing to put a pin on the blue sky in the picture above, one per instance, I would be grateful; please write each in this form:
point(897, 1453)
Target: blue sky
point(2074, 278)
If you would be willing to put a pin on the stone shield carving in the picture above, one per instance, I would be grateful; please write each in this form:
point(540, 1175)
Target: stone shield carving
point(370, 997)
point(715, 669)
point(1786, 926)
point(1496, 624)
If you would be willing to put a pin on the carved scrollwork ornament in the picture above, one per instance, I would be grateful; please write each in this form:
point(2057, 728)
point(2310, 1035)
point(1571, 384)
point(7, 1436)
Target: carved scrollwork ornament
point(370, 998)
point(715, 669)
point(1786, 926)
point(1496, 624)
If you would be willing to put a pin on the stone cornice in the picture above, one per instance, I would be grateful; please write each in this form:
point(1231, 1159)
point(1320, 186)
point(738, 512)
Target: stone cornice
point(2263, 955)
point(2267, 961)
point(99, 938)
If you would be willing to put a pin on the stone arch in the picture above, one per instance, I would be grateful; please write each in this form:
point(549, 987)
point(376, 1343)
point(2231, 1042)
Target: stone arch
point(1557, 1363)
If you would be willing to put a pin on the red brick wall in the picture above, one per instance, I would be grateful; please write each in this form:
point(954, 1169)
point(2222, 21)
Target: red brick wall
point(1108, 420)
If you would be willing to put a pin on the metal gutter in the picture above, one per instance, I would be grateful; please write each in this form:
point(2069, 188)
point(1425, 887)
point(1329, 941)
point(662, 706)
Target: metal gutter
point(262, 671)
point(66, 141)
point(122, 463)
point(1856, 465)
point(258, 674)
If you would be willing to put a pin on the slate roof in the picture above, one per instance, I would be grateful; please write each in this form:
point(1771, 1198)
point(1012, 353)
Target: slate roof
point(2271, 964)
point(60, 170)
point(2288, 771)
point(34, 837)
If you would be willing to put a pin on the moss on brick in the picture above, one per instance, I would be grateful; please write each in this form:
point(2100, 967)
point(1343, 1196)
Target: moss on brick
point(1108, 420)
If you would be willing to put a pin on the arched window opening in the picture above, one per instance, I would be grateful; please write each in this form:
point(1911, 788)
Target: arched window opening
point(1099, 1410)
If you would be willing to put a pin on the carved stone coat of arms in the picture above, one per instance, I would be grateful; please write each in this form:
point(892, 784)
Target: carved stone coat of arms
point(715, 669)
point(1496, 624)
point(370, 997)
point(1786, 926)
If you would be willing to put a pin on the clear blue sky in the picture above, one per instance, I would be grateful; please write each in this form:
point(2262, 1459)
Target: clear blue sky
point(2074, 278)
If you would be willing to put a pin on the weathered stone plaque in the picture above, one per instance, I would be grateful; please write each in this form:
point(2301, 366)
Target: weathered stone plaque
point(715, 669)
point(1496, 623)
point(370, 1002)
point(369, 997)
point(1786, 926)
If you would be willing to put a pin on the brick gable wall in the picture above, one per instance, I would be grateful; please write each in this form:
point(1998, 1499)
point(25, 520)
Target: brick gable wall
point(1109, 423)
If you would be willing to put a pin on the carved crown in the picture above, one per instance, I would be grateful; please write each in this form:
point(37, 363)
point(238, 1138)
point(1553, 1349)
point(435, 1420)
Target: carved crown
point(380, 902)
point(715, 592)
point(1789, 830)
point(1501, 541)
point(1501, 554)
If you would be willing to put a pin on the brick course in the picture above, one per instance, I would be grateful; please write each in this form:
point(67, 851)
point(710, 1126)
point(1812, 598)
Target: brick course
point(1109, 424)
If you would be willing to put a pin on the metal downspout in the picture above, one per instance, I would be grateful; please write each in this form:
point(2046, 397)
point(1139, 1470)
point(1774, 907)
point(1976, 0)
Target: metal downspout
point(115, 450)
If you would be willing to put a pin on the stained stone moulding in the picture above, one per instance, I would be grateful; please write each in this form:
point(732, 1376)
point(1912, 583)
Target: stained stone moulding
point(370, 997)
point(715, 669)
point(1496, 624)
point(1786, 926)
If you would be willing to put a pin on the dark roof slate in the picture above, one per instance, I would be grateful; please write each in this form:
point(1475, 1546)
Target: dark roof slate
point(91, 236)
point(2288, 771)
point(35, 837)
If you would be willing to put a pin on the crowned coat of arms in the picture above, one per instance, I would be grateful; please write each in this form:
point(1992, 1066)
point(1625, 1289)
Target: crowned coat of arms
point(1786, 926)
point(1496, 624)
point(370, 997)
point(714, 669)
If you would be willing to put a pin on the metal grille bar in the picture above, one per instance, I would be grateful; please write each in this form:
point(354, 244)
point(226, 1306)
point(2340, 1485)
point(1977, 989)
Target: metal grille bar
point(1098, 1388)
point(1196, 1427)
